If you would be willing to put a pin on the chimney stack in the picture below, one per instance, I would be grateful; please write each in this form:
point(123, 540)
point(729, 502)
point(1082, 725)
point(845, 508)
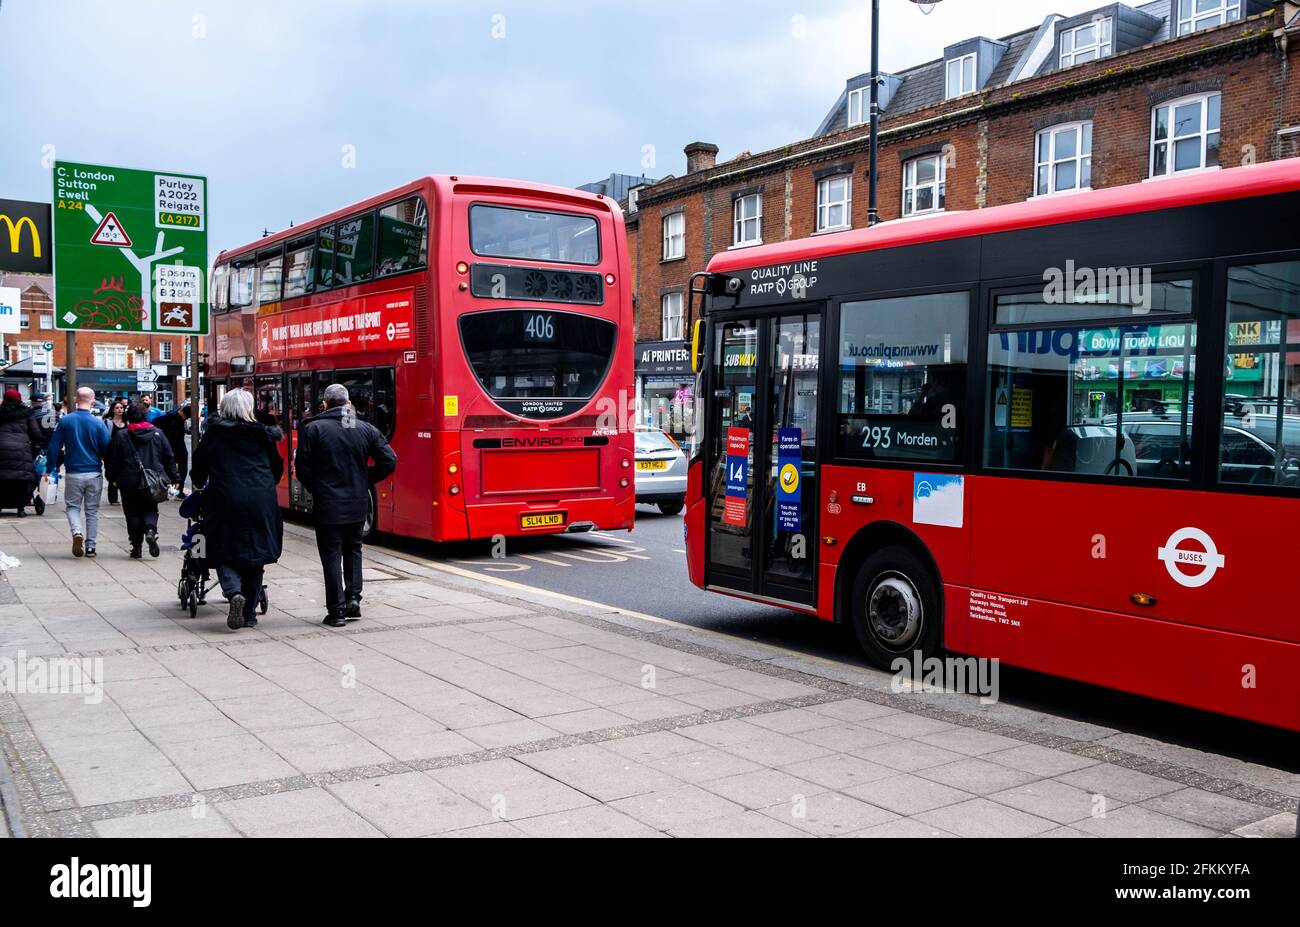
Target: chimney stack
point(700, 156)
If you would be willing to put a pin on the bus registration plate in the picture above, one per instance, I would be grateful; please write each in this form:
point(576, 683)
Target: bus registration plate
point(543, 520)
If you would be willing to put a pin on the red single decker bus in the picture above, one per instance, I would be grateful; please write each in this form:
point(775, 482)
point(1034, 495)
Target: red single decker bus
point(485, 326)
point(1063, 433)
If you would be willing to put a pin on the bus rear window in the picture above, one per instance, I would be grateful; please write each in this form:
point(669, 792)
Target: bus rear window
point(535, 354)
point(502, 231)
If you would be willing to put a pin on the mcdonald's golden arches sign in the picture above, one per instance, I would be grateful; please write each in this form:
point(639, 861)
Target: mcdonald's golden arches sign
point(25, 244)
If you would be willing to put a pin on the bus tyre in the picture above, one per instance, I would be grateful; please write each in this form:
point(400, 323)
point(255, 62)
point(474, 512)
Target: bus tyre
point(670, 508)
point(895, 606)
point(368, 527)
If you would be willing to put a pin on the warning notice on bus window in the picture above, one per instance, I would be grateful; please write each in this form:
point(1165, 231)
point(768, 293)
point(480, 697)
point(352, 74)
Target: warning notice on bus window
point(995, 608)
point(736, 501)
point(1022, 407)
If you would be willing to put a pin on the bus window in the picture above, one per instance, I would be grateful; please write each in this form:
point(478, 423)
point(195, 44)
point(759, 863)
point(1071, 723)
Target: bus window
point(902, 377)
point(269, 405)
point(220, 287)
point(371, 393)
point(1260, 441)
point(1110, 399)
point(354, 245)
point(325, 258)
point(270, 268)
point(501, 231)
point(403, 236)
point(298, 276)
point(241, 283)
point(538, 354)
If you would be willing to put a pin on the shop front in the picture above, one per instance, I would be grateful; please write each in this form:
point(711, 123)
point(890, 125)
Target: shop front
point(665, 387)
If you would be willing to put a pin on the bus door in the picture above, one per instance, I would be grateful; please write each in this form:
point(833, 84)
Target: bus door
point(762, 479)
point(300, 405)
point(269, 410)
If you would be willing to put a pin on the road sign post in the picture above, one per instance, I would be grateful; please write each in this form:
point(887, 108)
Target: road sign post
point(130, 251)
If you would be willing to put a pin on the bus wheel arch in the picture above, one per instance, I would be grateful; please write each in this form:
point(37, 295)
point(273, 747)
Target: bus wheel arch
point(891, 592)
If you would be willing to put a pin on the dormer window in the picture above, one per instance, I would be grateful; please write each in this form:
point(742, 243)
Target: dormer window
point(1194, 15)
point(960, 76)
point(859, 106)
point(1086, 43)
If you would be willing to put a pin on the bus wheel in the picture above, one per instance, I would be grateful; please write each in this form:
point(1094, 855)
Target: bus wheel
point(368, 529)
point(895, 606)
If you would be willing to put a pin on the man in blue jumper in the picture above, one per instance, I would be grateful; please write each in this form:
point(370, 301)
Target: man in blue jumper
point(79, 443)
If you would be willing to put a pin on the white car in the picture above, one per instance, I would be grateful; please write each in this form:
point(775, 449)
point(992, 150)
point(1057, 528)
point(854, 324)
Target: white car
point(660, 471)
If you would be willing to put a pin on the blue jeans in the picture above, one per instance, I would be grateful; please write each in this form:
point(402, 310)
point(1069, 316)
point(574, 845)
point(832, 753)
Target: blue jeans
point(81, 492)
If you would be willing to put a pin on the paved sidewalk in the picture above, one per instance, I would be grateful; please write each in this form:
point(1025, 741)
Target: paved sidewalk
point(458, 707)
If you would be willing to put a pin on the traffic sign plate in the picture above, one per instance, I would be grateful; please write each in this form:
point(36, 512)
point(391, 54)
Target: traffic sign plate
point(153, 279)
point(49, 345)
point(146, 387)
point(146, 376)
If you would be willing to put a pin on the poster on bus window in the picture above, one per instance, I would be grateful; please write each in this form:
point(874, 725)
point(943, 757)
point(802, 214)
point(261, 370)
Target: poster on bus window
point(736, 502)
point(385, 321)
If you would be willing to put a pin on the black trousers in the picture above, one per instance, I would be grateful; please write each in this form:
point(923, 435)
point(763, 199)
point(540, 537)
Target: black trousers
point(340, 557)
point(244, 579)
point(141, 515)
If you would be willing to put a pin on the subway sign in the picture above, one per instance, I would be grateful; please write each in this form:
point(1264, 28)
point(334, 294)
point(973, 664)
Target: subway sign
point(25, 237)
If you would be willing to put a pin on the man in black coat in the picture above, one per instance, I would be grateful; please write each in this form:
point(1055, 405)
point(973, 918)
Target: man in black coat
point(172, 424)
point(339, 458)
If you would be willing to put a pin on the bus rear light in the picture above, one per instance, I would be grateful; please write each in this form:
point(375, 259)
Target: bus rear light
point(1141, 598)
point(626, 463)
point(454, 489)
point(623, 483)
point(462, 268)
point(609, 279)
point(453, 468)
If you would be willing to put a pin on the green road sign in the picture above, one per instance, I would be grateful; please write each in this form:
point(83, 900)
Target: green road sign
point(130, 250)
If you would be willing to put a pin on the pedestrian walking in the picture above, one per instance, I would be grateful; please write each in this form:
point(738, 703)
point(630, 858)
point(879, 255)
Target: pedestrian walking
point(339, 457)
point(20, 442)
point(115, 417)
point(172, 424)
point(78, 444)
point(140, 461)
point(47, 416)
point(238, 466)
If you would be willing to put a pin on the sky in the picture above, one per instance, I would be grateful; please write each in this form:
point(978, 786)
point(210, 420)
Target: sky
point(295, 108)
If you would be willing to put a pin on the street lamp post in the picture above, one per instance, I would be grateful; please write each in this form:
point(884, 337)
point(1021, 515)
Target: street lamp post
point(873, 214)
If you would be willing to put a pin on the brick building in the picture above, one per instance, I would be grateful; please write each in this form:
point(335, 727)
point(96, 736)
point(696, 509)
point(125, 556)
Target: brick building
point(1116, 95)
point(105, 361)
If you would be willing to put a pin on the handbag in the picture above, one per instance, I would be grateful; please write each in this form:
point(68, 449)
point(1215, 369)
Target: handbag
point(152, 483)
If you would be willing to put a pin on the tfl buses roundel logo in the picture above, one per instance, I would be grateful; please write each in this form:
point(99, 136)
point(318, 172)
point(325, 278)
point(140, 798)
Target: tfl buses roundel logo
point(1194, 565)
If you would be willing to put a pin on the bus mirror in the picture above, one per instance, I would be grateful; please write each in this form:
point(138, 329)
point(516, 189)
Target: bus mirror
point(697, 346)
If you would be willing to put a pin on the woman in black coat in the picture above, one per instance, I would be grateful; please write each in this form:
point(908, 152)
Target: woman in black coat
point(20, 432)
point(238, 464)
point(138, 445)
point(115, 416)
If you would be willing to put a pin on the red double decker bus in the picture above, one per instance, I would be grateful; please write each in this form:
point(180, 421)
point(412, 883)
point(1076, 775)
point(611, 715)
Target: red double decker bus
point(485, 326)
point(1064, 433)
